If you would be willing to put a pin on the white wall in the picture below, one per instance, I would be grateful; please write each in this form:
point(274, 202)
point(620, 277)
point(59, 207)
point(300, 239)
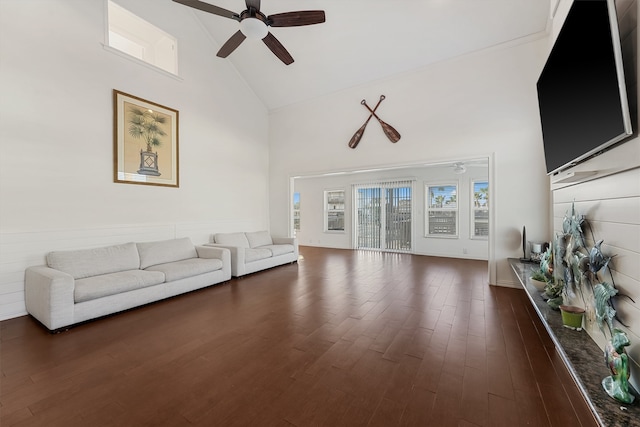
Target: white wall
point(480, 104)
point(56, 141)
point(311, 190)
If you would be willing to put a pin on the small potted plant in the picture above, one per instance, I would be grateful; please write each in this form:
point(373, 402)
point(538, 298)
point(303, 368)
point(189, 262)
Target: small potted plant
point(554, 293)
point(572, 317)
point(539, 280)
point(541, 277)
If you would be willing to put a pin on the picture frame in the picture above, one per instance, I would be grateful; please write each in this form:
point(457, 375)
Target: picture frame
point(145, 142)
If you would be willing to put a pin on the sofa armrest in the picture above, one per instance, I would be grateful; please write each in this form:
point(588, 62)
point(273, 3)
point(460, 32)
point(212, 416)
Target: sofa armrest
point(49, 296)
point(237, 257)
point(211, 252)
point(223, 254)
point(287, 240)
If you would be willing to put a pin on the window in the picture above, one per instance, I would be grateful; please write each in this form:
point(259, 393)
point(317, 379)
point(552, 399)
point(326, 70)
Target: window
point(138, 38)
point(334, 210)
point(442, 210)
point(296, 213)
point(480, 203)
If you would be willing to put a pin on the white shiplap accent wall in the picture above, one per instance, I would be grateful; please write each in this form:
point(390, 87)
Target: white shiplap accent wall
point(21, 249)
point(611, 205)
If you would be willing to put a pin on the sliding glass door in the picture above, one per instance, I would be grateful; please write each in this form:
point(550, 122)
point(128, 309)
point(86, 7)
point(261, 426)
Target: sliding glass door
point(383, 215)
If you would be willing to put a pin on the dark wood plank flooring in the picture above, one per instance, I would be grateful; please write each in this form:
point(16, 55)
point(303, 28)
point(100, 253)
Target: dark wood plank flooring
point(343, 338)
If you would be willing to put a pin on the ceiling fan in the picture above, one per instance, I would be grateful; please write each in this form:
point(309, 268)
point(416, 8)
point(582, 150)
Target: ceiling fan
point(253, 24)
point(459, 168)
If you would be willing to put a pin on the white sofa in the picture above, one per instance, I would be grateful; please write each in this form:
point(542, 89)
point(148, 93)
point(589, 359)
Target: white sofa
point(80, 285)
point(256, 251)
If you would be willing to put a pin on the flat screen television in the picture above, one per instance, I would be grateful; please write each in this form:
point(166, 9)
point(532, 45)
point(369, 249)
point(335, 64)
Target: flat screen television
point(581, 91)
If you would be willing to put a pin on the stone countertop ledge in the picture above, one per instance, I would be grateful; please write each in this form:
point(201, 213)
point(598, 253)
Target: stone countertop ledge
point(583, 357)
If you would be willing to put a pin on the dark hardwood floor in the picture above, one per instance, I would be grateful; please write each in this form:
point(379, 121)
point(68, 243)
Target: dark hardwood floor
point(343, 338)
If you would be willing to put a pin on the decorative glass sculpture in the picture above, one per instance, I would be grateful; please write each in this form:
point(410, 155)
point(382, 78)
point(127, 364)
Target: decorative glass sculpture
point(617, 384)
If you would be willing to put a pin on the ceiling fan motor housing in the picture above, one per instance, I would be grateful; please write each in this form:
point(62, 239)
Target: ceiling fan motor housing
point(253, 24)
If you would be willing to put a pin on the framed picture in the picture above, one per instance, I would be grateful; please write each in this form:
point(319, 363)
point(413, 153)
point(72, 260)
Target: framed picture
point(145, 136)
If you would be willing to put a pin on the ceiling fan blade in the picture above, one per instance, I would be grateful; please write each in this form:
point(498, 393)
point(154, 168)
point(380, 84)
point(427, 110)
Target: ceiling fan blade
point(296, 19)
point(253, 4)
point(206, 7)
point(231, 44)
point(277, 48)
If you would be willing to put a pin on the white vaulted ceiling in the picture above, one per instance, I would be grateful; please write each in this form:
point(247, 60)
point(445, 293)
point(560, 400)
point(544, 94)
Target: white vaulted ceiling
point(367, 40)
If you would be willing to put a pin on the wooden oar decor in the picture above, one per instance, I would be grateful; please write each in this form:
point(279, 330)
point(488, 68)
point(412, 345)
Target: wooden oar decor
point(355, 139)
point(392, 134)
point(389, 131)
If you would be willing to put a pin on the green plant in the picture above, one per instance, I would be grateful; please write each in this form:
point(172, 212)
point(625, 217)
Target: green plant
point(539, 275)
point(554, 291)
point(145, 124)
point(481, 197)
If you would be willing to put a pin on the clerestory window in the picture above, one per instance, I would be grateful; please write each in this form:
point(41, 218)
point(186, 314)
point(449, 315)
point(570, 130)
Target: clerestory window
point(132, 35)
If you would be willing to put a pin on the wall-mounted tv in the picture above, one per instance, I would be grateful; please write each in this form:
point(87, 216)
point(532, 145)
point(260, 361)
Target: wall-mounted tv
point(581, 91)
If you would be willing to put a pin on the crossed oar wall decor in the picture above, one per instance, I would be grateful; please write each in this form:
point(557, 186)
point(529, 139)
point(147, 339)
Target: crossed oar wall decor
point(392, 134)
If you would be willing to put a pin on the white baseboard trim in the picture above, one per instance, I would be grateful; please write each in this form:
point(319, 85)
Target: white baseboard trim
point(508, 284)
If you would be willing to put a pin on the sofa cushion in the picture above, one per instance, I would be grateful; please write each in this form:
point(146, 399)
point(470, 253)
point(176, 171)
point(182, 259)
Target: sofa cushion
point(92, 262)
point(256, 254)
point(232, 239)
point(161, 252)
point(114, 283)
point(259, 238)
point(187, 268)
point(277, 250)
